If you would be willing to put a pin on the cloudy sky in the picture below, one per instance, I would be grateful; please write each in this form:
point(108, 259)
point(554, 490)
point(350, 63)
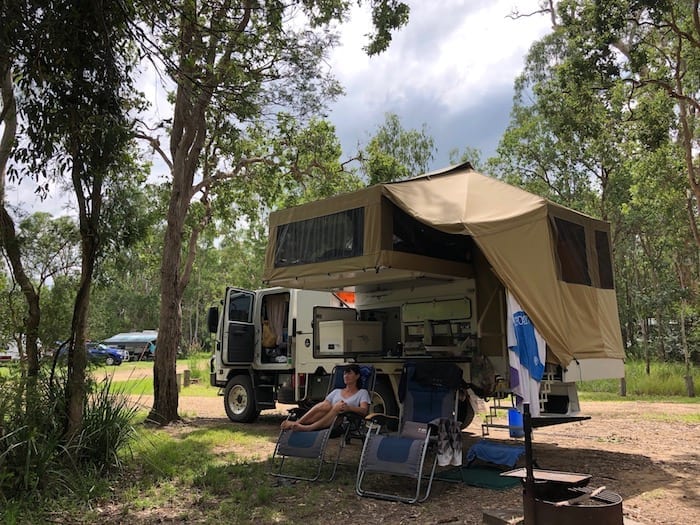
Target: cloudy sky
point(451, 68)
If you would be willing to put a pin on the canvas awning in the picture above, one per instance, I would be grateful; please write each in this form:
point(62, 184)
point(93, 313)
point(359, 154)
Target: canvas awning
point(555, 261)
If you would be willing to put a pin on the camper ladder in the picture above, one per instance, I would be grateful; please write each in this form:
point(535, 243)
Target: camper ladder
point(546, 388)
point(500, 403)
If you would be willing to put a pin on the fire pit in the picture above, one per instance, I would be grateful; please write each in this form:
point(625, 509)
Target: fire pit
point(554, 497)
point(579, 506)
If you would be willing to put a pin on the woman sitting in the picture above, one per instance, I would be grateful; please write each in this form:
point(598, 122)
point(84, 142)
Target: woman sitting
point(352, 398)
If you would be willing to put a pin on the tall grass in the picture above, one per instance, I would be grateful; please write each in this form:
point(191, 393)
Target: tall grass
point(37, 458)
point(198, 363)
point(664, 380)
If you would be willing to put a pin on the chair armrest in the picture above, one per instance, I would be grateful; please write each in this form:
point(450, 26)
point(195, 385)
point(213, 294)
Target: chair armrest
point(381, 419)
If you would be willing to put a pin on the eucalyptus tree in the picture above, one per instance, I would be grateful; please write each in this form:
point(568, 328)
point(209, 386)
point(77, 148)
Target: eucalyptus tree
point(232, 63)
point(469, 154)
point(70, 61)
point(651, 47)
point(49, 249)
point(394, 153)
point(650, 50)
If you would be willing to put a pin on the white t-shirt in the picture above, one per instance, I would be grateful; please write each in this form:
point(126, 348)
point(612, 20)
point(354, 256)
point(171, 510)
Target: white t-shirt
point(359, 397)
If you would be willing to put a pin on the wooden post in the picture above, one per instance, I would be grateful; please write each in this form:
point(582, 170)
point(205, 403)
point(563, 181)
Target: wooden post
point(187, 376)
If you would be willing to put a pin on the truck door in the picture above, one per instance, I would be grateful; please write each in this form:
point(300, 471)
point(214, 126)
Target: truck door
point(239, 329)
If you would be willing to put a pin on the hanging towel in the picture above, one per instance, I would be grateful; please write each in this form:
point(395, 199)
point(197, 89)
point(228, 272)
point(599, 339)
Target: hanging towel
point(526, 356)
point(449, 442)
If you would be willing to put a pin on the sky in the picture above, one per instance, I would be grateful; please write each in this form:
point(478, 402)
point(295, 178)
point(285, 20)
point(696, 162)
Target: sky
point(451, 68)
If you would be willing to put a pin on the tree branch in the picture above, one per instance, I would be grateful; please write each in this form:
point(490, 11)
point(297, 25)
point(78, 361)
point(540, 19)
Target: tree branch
point(155, 144)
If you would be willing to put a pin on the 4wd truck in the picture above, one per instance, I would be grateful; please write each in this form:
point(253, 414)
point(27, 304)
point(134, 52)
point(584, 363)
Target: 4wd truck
point(279, 345)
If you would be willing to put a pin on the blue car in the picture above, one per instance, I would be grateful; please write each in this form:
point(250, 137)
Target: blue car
point(108, 355)
point(97, 353)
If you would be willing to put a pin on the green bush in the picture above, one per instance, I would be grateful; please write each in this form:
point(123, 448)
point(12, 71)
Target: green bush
point(36, 457)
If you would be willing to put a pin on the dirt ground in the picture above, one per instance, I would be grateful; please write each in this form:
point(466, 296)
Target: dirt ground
point(646, 452)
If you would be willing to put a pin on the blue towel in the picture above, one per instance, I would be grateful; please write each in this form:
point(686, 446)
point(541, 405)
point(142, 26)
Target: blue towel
point(496, 453)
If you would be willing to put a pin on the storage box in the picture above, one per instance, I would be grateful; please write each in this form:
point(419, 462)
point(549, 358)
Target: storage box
point(349, 337)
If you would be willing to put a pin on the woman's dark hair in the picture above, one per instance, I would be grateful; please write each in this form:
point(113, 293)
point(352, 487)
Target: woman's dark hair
point(353, 368)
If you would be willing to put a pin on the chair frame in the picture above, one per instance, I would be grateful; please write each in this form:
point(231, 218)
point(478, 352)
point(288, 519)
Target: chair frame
point(422, 492)
point(416, 498)
point(324, 435)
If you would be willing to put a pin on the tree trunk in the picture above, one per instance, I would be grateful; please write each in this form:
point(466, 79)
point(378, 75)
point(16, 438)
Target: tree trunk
point(623, 387)
point(9, 242)
point(165, 394)
point(645, 342)
point(8, 237)
point(77, 356)
point(661, 334)
point(689, 384)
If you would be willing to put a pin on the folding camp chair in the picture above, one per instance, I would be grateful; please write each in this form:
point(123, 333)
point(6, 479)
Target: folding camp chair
point(429, 392)
point(311, 445)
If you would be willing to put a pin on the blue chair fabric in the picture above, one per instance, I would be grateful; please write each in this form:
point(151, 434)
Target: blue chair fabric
point(429, 396)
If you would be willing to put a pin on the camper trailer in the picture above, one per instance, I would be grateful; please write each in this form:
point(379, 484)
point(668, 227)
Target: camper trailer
point(453, 265)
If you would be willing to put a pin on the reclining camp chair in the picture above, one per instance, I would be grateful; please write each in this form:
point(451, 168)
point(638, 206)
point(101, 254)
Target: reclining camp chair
point(429, 393)
point(312, 445)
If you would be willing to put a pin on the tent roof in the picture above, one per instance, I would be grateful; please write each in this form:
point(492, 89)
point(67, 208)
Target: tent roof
point(524, 237)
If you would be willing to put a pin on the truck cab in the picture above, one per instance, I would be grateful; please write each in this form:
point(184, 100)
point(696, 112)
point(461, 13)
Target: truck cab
point(264, 349)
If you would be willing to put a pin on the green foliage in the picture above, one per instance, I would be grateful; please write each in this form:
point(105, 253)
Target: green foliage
point(664, 380)
point(36, 459)
point(394, 153)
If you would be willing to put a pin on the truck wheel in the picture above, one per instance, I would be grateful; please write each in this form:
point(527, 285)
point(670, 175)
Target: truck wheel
point(465, 413)
point(239, 400)
point(383, 400)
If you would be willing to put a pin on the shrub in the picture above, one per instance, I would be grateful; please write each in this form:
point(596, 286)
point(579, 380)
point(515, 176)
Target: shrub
point(34, 453)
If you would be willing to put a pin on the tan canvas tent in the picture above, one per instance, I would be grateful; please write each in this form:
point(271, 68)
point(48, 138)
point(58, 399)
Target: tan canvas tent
point(457, 223)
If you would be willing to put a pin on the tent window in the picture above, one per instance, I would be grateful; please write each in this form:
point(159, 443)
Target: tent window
point(571, 252)
point(605, 270)
point(335, 236)
point(412, 236)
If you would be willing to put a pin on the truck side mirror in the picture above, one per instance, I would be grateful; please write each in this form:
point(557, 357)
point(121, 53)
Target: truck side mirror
point(213, 319)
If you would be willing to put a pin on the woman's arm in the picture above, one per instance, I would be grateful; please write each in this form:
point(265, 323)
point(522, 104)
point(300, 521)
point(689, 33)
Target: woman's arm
point(362, 409)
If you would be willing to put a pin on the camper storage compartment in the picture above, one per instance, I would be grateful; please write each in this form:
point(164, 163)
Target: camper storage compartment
point(344, 337)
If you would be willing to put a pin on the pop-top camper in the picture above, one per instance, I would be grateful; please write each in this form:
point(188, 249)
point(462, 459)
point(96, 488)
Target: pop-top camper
point(452, 265)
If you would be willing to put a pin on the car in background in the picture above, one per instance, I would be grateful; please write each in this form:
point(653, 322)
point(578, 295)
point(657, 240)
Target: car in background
point(100, 348)
point(96, 353)
point(9, 354)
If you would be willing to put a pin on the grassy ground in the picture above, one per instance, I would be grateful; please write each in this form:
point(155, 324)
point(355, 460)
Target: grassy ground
point(218, 472)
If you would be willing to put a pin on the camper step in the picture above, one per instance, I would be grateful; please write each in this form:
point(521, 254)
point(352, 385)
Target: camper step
point(512, 428)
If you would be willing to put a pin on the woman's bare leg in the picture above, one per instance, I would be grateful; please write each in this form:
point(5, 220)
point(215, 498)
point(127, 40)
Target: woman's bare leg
point(315, 413)
point(324, 422)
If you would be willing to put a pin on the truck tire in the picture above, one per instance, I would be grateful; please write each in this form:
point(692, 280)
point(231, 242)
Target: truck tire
point(465, 413)
point(383, 400)
point(239, 400)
